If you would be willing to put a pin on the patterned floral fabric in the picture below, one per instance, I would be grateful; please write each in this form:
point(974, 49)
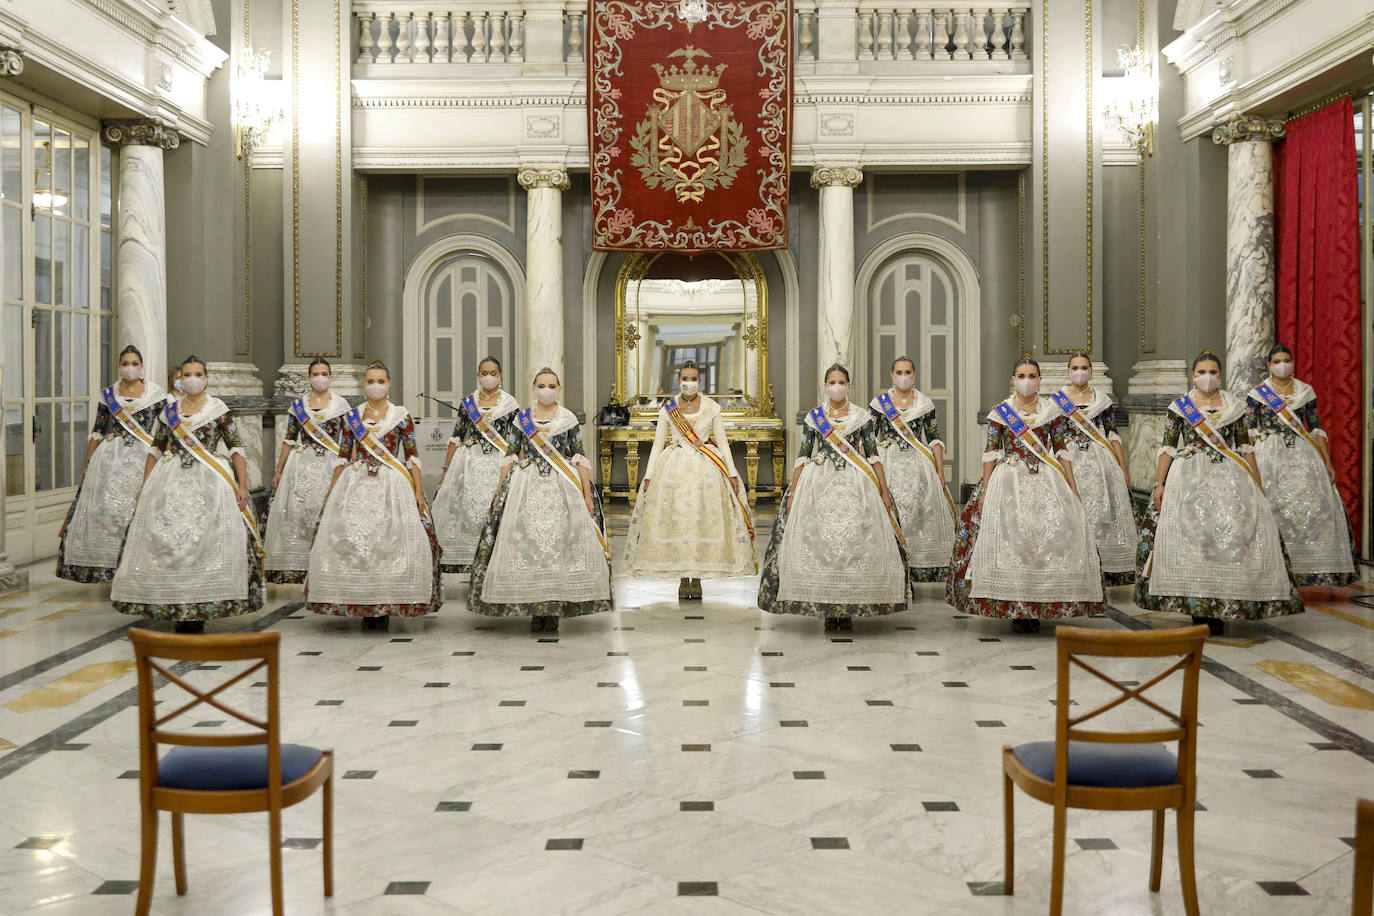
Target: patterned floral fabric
point(186, 471)
point(1195, 474)
point(108, 429)
point(465, 497)
point(299, 499)
point(527, 461)
point(845, 533)
point(399, 440)
point(1009, 451)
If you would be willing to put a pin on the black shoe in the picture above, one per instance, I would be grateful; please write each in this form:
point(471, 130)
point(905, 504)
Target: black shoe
point(832, 624)
point(1215, 625)
point(536, 624)
point(189, 626)
point(845, 623)
point(1025, 625)
point(376, 623)
point(550, 624)
point(684, 590)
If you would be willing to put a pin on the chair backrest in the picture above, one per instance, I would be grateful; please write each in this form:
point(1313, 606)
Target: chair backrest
point(1184, 644)
point(1362, 900)
point(151, 648)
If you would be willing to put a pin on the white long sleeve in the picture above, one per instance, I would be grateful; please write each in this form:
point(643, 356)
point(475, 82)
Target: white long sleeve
point(660, 440)
point(722, 443)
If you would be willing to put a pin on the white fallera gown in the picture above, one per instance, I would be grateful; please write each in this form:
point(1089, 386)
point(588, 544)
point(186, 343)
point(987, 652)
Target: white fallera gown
point(1102, 486)
point(689, 523)
point(927, 523)
point(1308, 508)
point(104, 505)
point(299, 499)
point(464, 498)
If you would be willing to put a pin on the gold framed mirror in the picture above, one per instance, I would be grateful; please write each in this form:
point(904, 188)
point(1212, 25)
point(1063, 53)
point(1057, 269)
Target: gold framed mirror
point(711, 308)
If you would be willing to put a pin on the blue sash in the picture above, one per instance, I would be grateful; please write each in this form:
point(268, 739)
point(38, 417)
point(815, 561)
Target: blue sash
point(486, 429)
point(1020, 430)
point(123, 418)
point(1071, 410)
point(308, 423)
point(1210, 436)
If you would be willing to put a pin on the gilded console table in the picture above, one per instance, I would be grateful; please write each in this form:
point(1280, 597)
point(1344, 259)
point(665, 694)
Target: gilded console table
point(749, 432)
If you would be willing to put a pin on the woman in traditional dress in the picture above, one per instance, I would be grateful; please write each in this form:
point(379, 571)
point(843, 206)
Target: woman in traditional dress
point(836, 550)
point(913, 460)
point(93, 533)
point(1211, 547)
point(693, 523)
point(193, 552)
point(305, 471)
point(1025, 549)
point(542, 553)
point(1099, 470)
point(1294, 460)
point(480, 439)
point(375, 555)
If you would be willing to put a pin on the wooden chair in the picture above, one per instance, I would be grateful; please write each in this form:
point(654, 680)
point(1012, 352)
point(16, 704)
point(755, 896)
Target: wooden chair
point(1363, 899)
point(1114, 770)
point(221, 774)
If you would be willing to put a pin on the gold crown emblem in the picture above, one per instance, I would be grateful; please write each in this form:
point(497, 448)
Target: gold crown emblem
point(688, 78)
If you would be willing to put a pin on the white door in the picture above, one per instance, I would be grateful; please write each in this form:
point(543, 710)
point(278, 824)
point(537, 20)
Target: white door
point(913, 312)
point(55, 232)
point(468, 303)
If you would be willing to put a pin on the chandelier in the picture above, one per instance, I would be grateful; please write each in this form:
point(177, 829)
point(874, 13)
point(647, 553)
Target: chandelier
point(692, 11)
point(47, 199)
point(1134, 108)
point(255, 105)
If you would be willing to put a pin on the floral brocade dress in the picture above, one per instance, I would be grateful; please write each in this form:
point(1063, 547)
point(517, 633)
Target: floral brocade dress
point(1307, 506)
point(1214, 549)
point(1026, 549)
point(1102, 486)
point(464, 498)
point(188, 555)
point(290, 520)
point(833, 552)
point(108, 491)
point(917, 493)
point(540, 554)
point(374, 554)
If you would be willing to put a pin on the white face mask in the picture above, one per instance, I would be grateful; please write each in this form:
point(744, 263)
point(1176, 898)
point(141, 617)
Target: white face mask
point(130, 373)
point(904, 382)
point(546, 396)
point(1027, 386)
point(489, 382)
point(376, 390)
point(837, 392)
point(176, 383)
point(1207, 383)
point(193, 384)
point(689, 389)
point(1281, 370)
point(320, 382)
point(1080, 376)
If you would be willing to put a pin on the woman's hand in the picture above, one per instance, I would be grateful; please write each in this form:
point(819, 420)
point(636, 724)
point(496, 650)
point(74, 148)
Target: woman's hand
point(1331, 472)
point(276, 479)
point(1158, 497)
point(887, 500)
point(734, 485)
point(420, 505)
point(591, 506)
point(242, 496)
point(645, 485)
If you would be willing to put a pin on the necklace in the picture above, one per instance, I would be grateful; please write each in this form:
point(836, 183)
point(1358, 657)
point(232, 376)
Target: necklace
point(1085, 391)
point(1023, 407)
point(903, 398)
point(1208, 402)
point(841, 411)
point(375, 412)
point(1286, 390)
point(489, 397)
point(314, 396)
point(552, 412)
point(189, 404)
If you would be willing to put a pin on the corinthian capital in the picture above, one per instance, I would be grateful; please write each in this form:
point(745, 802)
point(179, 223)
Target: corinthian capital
point(11, 64)
point(149, 132)
point(543, 178)
point(1246, 128)
point(826, 176)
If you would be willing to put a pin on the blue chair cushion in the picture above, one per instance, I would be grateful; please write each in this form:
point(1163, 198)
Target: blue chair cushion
point(229, 769)
point(1107, 766)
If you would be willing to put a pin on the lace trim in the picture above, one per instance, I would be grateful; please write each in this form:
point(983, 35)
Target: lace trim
point(934, 442)
point(994, 455)
point(800, 462)
point(1246, 449)
point(96, 437)
point(238, 450)
point(1318, 431)
point(1113, 437)
point(580, 461)
point(454, 440)
point(288, 442)
point(1167, 450)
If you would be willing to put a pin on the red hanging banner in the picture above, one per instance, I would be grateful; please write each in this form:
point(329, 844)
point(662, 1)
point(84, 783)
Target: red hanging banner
point(690, 124)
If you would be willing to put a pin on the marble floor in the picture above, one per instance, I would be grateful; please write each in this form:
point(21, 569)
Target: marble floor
point(697, 757)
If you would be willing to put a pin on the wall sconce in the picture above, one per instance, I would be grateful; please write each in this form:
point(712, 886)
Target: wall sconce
point(256, 109)
point(1134, 108)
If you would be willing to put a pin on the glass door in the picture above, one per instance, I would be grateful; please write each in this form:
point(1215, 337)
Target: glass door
point(55, 231)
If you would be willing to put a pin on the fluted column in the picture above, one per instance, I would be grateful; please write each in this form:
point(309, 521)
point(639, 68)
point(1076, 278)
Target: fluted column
point(11, 64)
point(835, 271)
point(1251, 287)
point(141, 278)
point(543, 319)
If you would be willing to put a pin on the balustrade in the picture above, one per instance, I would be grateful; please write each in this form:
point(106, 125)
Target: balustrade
point(399, 33)
point(921, 33)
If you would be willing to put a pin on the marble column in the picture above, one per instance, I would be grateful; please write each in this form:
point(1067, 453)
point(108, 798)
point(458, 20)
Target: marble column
point(835, 269)
point(11, 579)
point(542, 324)
point(141, 277)
point(1250, 258)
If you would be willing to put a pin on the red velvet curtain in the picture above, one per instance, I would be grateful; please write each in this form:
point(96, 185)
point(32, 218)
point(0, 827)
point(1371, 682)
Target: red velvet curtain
point(1317, 229)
